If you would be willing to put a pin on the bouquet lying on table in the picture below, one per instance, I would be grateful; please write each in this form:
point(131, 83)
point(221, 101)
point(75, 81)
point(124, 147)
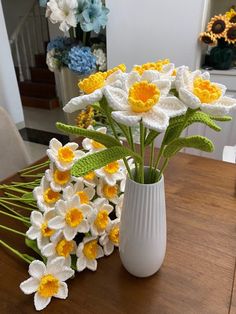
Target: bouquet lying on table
point(75, 218)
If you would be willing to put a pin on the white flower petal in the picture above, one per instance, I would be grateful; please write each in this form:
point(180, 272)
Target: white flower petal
point(172, 106)
point(64, 273)
point(57, 222)
point(130, 79)
point(163, 85)
point(36, 218)
point(48, 250)
point(30, 285)
point(86, 209)
point(92, 264)
point(69, 232)
point(100, 252)
point(33, 233)
point(156, 120)
point(108, 248)
point(220, 107)
point(128, 118)
point(40, 302)
point(62, 291)
point(81, 102)
point(55, 144)
point(81, 263)
point(189, 98)
point(55, 265)
point(73, 146)
point(83, 227)
point(116, 98)
point(37, 269)
point(150, 75)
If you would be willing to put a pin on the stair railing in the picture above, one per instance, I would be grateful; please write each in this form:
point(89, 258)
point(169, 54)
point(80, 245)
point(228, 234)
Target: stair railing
point(29, 39)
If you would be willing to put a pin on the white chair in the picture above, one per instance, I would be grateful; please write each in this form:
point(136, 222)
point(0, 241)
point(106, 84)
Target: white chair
point(229, 154)
point(13, 154)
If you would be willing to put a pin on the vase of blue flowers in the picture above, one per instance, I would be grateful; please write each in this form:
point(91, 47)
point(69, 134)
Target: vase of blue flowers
point(81, 50)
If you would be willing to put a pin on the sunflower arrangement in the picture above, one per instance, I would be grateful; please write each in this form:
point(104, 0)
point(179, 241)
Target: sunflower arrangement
point(221, 34)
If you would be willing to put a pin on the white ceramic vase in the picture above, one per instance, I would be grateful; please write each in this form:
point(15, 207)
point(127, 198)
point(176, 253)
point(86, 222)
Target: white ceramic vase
point(143, 228)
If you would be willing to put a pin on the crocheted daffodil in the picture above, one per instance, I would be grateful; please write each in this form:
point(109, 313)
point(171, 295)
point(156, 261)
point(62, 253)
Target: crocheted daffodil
point(93, 88)
point(144, 98)
point(88, 252)
point(47, 281)
point(197, 91)
point(110, 239)
point(63, 156)
point(71, 217)
point(91, 145)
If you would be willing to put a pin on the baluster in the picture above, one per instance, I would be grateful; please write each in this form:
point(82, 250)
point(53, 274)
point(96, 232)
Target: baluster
point(40, 29)
point(21, 76)
point(29, 44)
point(35, 32)
point(25, 55)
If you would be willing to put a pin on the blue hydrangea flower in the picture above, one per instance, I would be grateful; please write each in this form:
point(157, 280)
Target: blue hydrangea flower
point(92, 15)
point(59, 43)
point(81, 60)
point(43, 3)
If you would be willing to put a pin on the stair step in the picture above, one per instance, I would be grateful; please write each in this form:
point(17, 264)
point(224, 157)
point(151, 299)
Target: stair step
point(42, 75)
point(35, 89)
point(40, 60)
point(41, 103)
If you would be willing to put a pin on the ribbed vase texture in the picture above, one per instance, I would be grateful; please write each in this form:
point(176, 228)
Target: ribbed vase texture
point(143, 228)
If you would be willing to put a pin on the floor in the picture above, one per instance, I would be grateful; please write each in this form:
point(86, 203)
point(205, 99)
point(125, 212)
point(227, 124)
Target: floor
point(39, 129)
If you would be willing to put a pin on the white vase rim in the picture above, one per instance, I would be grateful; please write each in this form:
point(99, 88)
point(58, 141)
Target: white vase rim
point(145, 184)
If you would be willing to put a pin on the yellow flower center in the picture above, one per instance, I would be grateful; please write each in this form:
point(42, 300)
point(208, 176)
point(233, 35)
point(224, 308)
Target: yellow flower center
point(64, 248)
point(50, 196)
point(46, 232)
point(121, 67)
point(48, 286)
point(102, 219)
point(157, 66)
point(143, 96)
point(61, 177)
point(90, 176)
point(114, 235)
point(97, 145)
point(109, 191)
point(74, 216)
point(174, 72)
point(206, 91)
point(65, 154)
point(112, 167)
point(92, 83)
point(90, 249)
point(83, 196)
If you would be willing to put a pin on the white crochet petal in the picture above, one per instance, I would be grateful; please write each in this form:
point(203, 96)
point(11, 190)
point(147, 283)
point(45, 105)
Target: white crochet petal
point(220, 107)
point(40, 302)
point(156, 119)
point(168, 69)
point(69, 232)
point(150, 75)
point(180, 80)
point(92, 264)
point(163, 85)
point(62, 291)
point(113, 77)
point(222, 87)
point(130, 79)
point(205, 75)
point(30, 285)
point(116, 98)
point(81, 263)
point(189, 98)
point(37, 269)
point(81, 102)
point(128, 118)
point(172, 106)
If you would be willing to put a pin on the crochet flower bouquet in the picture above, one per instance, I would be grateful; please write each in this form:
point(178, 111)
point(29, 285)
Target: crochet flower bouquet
point(76, 216)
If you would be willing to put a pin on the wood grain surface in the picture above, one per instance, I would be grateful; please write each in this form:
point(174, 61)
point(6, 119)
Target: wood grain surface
point(197, 276)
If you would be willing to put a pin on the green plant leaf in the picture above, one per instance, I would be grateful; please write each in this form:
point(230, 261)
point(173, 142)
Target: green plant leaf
point(28, 196)
point(151, 137)
point(202, 117)
point(33, 245)
point(221, 118)
point(99, 137)
point(101, 159)
point(195, 141)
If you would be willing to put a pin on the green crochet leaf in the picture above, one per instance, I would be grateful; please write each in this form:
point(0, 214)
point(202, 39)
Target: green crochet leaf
point(151, 136)
point(101, 159)
point(99, 137)
point(221, 118)
point(196, 141)
point(33, 245)
point(202, 117)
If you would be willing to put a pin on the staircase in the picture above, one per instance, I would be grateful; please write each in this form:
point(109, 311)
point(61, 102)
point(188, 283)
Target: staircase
point(36, 82)
point(40, 91)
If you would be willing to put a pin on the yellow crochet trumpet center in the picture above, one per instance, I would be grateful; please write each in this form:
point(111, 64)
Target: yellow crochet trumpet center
point(65, 154)
point(61, 177)
point(110, 191)
point(114, 235)
point(102, 219)
point(48, 286)
point(92, 83)
point(206, 91)
point(83, 196)
point(74, 217)
point(64, 248)
point(143, 96)
point(90, 249)
point(50, 197)
point(46, 232)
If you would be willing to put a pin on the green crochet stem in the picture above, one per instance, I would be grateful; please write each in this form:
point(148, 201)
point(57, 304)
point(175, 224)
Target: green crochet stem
point(20, 255)
point(142, 139)
point(12, 230)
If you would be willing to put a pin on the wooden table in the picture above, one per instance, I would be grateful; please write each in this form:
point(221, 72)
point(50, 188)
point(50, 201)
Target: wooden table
point(198, 273)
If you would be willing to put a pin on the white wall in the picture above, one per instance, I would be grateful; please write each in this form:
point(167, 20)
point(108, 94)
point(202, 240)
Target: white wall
point(9, 92)
point(139, 31)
